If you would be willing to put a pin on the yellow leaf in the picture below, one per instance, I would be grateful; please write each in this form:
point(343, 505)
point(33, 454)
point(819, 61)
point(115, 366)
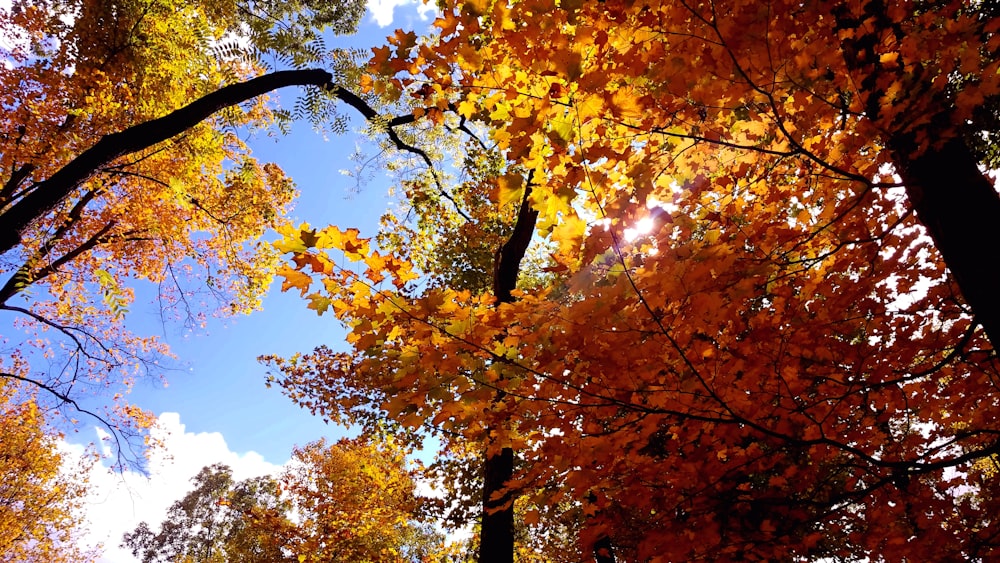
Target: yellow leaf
point(564, 128)
point(466, 108)
point(318, 303)
point(509, 188)
point(888, 59)
point(588, 106)
point(296, 240)
point(624, 103)
point(569, 233)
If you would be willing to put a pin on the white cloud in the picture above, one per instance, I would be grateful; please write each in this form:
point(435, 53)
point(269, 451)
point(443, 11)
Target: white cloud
point(426, 9)
point(382, 9)
point(118, 502)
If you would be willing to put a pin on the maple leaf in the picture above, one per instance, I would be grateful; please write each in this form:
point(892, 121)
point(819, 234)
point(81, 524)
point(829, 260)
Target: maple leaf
point(317, 302)
point(294, 279)
point(510, 188)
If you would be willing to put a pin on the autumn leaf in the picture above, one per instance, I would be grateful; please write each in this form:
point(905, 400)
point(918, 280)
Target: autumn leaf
point(319, 303)
point(510, 189)
point(295, 279)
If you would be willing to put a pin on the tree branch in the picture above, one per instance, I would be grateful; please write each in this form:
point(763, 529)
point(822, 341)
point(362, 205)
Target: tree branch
point(16, 177)
point(508, 257)
point(370, 114)
point(53, 191)
point(67, 400)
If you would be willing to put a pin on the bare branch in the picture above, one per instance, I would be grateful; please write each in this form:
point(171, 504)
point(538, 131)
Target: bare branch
point(67, 400)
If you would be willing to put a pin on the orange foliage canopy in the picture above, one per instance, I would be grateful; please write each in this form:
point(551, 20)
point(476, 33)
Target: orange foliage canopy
point(744, 345)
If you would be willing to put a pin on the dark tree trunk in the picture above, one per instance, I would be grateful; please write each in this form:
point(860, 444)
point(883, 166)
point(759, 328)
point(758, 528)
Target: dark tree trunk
point(960, 208)
point(950, 195)
point(496, 535)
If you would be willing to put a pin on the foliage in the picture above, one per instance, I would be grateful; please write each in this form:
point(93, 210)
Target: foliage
point(353, 500)
point(41, 495)
point(219, 520)
point(357, 502)
point(182, 216)
point(745, 344)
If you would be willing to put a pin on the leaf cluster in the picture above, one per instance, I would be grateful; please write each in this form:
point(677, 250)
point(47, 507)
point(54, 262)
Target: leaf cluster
point(42, 494)
point(746, 346)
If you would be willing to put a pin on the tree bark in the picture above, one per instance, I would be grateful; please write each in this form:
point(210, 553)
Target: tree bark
point(960, 208)
point(496, 530)
point(496, 533)
point(952, 198)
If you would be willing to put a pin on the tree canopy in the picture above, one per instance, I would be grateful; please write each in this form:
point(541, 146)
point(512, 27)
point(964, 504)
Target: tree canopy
point(350, 501)
point(760, 324)
point(42, 493)
point(689, 280)
point(125, 164)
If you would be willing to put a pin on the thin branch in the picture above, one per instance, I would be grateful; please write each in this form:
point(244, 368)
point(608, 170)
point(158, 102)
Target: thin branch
point(66, 399)
point(68, 331)
point(25, 277)
point(370, 114)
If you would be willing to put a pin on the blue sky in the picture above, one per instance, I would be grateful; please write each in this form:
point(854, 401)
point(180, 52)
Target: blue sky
point(216, 407)
point(218, 385)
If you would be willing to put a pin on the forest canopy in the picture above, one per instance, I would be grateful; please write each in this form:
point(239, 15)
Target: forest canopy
point(667, 280)
point(735, 300)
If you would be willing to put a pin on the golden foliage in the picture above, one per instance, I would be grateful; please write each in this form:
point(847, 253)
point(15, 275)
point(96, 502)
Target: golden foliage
point(41, 495)
point(184, 215)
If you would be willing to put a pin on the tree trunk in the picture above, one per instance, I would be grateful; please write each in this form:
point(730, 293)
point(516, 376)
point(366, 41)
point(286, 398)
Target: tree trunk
point(950, 195)
point(496, 534)
point(960, 208)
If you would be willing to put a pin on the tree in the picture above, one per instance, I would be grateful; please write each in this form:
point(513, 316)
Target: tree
point(123, 163)
point(42, 492)
point(765, 326)
point(85, 210)
point(353, 500)
point(358, 502)
point(220, 520)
